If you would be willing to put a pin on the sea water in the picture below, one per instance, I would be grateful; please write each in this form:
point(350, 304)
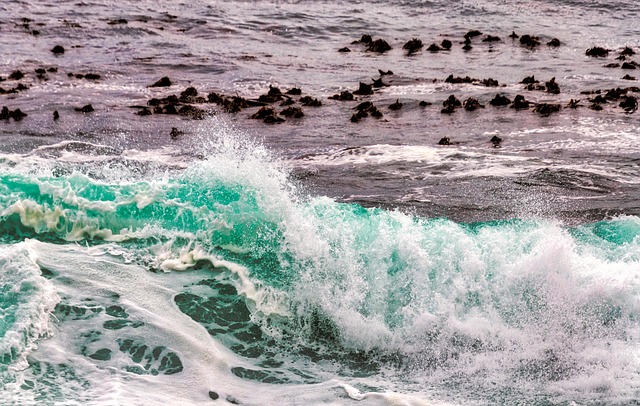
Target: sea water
point(316, 262)
point(223, 277)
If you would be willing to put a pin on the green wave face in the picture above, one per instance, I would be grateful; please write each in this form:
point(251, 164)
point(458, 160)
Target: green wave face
point(353, 291)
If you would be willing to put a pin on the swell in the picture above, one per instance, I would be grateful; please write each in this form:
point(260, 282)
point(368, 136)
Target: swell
point(319, 289)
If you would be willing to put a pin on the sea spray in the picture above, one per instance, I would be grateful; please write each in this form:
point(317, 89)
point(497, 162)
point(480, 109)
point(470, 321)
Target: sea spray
point(304, 290)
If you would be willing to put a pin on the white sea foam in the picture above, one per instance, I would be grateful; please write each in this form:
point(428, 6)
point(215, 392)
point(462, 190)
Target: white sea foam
point(27, 300)
point(102, 161)
point(427, 161)
point(146, 298)
point(81, 273)
point(466, 161)
point(531, 297)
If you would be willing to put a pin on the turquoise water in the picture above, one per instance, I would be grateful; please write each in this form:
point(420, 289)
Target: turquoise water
point(302, 291)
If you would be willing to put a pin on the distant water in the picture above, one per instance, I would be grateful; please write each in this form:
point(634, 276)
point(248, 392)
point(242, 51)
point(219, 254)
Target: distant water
point(317, 261)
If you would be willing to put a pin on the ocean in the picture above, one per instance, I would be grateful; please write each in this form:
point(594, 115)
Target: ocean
point(299, 216)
